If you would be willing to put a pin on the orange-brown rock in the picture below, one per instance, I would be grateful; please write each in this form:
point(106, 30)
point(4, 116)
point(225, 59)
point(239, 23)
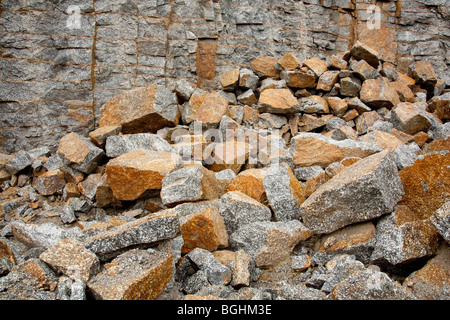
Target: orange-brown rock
point(316, 65)
point(229, 79)
point(204, 230)
point(228, 155)
point(385, 140)
point(132, 174)
point(408, 118)
point(134, 275)
point(379, 93)
point(278, 101)
point(405, 94)
point(211, 111)
point(289, 62)
point(249, 182)
point(327, 80)
point(50, 182)
point(144, 109)
point(99, 135)
point(426, 184)
point(265, 67)
point(303, 78)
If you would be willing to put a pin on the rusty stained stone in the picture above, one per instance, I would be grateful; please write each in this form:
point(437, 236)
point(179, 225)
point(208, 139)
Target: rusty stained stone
point(206, 61)
point(144, 109)
point(426, 184)
point(350, 236)
point(289, 62)
point(49, 183)
point(250, 183)
point(134, 275)
point(211, 110)
point(316, 65)
point(229, 79)
point(228, 155)
point(132, 174)
point(408, 118)
point(278, 101)
point(204, 230)
point(379, 93)
point(265, 67)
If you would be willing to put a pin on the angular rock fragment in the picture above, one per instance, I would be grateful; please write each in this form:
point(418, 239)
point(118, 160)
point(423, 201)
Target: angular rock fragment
point(189, 184)
point(408, 118)
point(134, 275)
point(316, 65)
point(134, 173)
point(204, 230)
point(144, 109)
point(284, 192)
point(423, 72)
point(338, 106)
point(238, 209)
point(363, 70)
point(118, 145)
point(228, 155)
point(366, 190)
point(229, 79)
point(302, 78)
point(216, 273)
point(432, 281)
point(72, 259)
point(79, 153)
point(250, 183)
point(247, 79)
point(440, 106)
point(327, 80)
point(313, 149)
point(360, 51)
point(248, 98)
point(426, 184)
point(49, 182)
point(265, 67)
point(441, 220)
point(144, 231)
point(289, 62)
point(18, 161)
point(99, 135)
point(314, 104)
point(350, 86)
point(378, 93)
point(268, 242)
point(211, 110)
point(278, 101)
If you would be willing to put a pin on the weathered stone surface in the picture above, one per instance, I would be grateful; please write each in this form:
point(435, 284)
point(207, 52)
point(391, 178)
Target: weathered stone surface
point(118, 145)
point(247, 79)
point(265, 67)
point(440, 106)
point(423, 72)
point(426, 184)
point(314, 104)
point(238, 209)
point(228, 155)
point(144, 231)
point(361, 51)
point(191, 107)
point(312, 149)
point(204, 230)
point(368, 189)
point(327, 80)
point(303, 78)
point(49, 182)
point(211, 111)
point(134, 275)
point(72, 259)
point(289, 62)
point(189, 184)
point(408, 118)
point(229, 79)
point(247, 98)
point(144, 109)
point(99, 135)
point(316, 65)
point(366, 120)
point(441, 220)
point(44, 235)
point(138, 171)
point(18, 161)
point(432, 281)
point(363, 70)
point(400, 240)
point(369, 285)
point(269, 243)
point(278, 101)
point(405, 94)
point(7, 257)
point(350, 86)
point(379, 93)
point(250, 183)
point(79, 153)
point(284, 192)
point(215, 272)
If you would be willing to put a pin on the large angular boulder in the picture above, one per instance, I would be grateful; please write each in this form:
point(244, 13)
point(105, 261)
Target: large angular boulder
point(278, 101)
point(211, 110)
point(365, 190)
point(79, 153)
point(408, 118)
point(118, 145)
point(144, 109)
point(134, 173)
point(134, 275)
point(314, 149)
point(379, 93)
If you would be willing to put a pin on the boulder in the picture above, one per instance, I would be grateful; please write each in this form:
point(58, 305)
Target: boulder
point(379, 93)
point(211, 110)
point(134, 275)
point(365, 190)
point(278, 101)
point(229, 79)
point(264, 67)
point(441, 221)
point(143, 109)
point(134, 173)
point(407, 117)
point(250, 183)
point(360, 51)
point(119, 145)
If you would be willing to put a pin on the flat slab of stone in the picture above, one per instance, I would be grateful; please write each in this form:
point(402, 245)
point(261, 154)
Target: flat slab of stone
point(118, 145)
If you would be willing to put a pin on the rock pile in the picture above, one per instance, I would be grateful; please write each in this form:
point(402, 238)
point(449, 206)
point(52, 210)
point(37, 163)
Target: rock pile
point(298, 180)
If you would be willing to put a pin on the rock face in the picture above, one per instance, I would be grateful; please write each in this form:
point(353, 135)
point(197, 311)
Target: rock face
point(368, 189)
point(138, 171)
point(145, 109)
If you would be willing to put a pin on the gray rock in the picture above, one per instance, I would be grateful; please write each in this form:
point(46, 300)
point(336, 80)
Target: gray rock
point(284, 192)
point(118, 145)
point(238, 209)
point(67, 214)
point(248, 79)
point(216, 272)
point(298, 292)
point(183, 89)
point(441, 220)
point(189, 184)
point(144, 231)
point(405, 155)
point(18, 162)
point(305, 173)
point(350, 86)
point(368, 189)
point(269, 242)
point(340, 268)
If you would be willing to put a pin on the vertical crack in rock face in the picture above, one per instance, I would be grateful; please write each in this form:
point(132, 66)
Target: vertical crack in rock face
point(205, 149)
